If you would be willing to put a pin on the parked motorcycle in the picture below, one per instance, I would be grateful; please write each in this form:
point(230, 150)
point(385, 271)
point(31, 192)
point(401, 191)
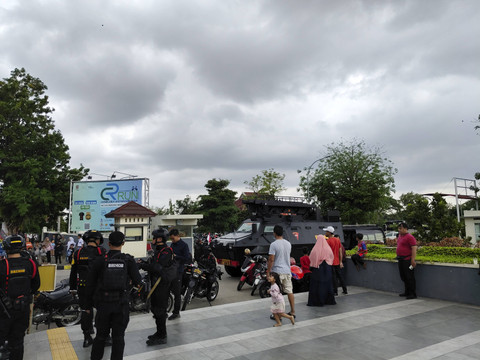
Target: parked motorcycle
point(59, 306)
point(201, 283)
point(248, 269)
point(138, 296)
point(260, 277)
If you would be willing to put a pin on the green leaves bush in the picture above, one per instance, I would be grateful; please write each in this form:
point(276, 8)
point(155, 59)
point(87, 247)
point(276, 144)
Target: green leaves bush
point(426, 254)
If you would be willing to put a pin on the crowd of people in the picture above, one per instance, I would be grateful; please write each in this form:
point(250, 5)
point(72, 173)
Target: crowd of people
point(101, 279)
point(324, 265)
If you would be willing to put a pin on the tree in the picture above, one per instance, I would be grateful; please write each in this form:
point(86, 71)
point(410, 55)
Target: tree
point(34, 161)
point(432, 220)
point(186, 206)
point(354, 179)
point(218, 208)
point(269, 182)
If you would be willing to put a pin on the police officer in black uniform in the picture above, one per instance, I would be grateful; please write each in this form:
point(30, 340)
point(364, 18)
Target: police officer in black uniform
point(162, 269)
point(19, 280)
point(107, 289)
point(81, 264)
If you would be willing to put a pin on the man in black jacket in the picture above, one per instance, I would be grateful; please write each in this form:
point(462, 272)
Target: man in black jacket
point(19, 280)
point(182, 256)
point(107, 289)
point(81, 264)
point(162, 270)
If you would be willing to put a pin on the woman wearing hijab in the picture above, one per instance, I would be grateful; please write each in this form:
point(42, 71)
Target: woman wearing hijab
point(321, 260)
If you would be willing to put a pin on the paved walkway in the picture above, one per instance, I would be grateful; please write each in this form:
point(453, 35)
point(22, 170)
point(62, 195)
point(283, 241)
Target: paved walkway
point(365, 324)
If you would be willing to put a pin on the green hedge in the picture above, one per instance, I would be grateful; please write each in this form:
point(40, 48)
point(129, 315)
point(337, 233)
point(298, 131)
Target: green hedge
point(427, 254)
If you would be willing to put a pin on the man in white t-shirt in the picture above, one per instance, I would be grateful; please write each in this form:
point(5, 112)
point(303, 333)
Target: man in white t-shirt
point(80, 241)
point(279, 262)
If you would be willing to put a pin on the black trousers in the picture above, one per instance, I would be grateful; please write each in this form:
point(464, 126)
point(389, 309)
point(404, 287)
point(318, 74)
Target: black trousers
point(407, 276)
point(176, 289)
point(86, 320)
point(159, 307)
point(13, 331)
point(113, 316)
point(357, 259)
point(337, 277)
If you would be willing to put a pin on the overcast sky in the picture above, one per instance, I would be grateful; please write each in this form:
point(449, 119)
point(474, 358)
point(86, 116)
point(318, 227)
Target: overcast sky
point(181, 92)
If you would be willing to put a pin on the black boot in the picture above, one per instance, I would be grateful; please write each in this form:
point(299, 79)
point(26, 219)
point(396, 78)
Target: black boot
point(87, 340)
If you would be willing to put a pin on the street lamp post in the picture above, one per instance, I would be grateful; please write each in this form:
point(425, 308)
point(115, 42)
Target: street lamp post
point(308, 174)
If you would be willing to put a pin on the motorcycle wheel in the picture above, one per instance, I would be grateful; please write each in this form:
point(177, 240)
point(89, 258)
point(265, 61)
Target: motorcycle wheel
point(187, 298)
point(263, 290)
point(240, 285)
point(212, 294)
point(71, 315)
point(170, 302)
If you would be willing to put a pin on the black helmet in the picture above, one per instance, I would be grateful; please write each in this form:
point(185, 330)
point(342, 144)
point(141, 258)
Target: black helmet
point(14, 244)
point(116, 238)
point(93, 234)
point(160, 233)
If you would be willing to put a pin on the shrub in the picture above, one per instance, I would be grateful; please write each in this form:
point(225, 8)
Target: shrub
point(443, 254)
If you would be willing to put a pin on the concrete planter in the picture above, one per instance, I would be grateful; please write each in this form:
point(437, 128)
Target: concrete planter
point(452, 282)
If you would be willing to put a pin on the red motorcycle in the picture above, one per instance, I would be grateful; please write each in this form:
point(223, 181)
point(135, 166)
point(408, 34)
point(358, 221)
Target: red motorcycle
point(248, 269)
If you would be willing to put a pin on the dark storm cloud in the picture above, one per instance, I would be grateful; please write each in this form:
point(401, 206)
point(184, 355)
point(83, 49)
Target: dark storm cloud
point(182, 92)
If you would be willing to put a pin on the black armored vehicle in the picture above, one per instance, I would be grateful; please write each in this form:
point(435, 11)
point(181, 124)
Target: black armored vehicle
point(301, 222)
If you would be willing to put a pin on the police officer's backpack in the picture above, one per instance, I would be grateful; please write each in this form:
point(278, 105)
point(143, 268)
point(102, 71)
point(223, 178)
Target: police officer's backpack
point(18, 282)
point(83, 259)
point(115, 275)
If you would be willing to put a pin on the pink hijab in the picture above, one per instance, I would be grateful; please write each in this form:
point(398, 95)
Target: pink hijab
point(321, 252)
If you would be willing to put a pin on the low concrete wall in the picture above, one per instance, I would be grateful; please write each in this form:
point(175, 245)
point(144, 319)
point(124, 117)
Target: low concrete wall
point(459, 283)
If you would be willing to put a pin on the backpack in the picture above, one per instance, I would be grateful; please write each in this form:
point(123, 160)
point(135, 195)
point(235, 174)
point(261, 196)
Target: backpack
point(17, 283)
point(115, 273)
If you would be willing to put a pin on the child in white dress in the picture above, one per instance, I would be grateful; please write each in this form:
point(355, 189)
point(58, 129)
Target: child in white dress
point(278, 302)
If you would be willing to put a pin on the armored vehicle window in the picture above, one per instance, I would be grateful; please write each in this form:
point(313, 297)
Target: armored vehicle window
point(247, 227)
point(268, 229)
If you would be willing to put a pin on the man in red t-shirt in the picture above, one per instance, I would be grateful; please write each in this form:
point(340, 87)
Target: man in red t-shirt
point(406, 254)
point(337, 266)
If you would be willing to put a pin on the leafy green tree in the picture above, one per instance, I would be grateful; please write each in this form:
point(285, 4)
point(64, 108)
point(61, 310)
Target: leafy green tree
point(270, 182)
point(34, 162)
point(219, 211)
point(433, 220)
point(186, 206)
point(353, 178)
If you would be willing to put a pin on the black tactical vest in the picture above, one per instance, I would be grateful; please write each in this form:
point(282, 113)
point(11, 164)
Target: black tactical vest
point(84, 258)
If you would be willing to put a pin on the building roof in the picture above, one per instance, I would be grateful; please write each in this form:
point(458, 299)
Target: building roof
point(131, 209)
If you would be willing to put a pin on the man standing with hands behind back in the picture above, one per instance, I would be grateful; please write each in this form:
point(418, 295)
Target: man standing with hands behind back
point(406, 254)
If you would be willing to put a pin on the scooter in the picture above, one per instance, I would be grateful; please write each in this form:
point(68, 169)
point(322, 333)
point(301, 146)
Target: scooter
point(249, 268)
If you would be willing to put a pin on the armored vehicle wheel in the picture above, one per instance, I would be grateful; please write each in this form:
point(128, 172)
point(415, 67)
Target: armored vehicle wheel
point(233, 271)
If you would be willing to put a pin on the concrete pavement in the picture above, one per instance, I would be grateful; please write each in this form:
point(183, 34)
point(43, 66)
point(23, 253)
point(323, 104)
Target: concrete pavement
point(366, 324)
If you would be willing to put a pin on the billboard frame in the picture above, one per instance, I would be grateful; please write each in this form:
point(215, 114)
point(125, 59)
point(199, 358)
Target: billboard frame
point(145, 188)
